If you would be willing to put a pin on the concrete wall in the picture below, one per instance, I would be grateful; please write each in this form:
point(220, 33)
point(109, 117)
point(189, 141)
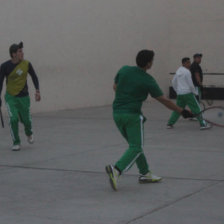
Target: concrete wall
point(77, 46)
point(197, 26)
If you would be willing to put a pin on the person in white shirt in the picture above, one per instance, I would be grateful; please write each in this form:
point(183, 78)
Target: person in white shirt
point(185, 89)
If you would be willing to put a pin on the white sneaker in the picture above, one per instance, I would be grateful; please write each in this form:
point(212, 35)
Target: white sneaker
point(169, 126)
point(30, 139)
point(149, 178)
point(113, 175)
point(193, 119)
point(207, 126)
point(15, 147)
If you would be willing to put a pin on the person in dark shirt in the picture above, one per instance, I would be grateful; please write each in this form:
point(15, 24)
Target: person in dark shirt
point(15, 71)
point(197, 74)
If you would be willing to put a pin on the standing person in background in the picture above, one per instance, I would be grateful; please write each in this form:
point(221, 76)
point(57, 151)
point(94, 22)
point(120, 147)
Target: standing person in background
point(17, 97)
point(186, 91)
point(132, 86)
point(197, 74)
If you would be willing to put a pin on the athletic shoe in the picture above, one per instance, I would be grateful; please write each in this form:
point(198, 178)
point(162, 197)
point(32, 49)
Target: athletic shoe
point(149, 178)
point(113, 175)
point(169, 126)
point(193, 119)
point(204, 127)
point(15, 147)
point(30, 139)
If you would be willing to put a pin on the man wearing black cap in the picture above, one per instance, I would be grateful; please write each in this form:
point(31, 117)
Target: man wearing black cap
point(197, 74)
point(17, 97)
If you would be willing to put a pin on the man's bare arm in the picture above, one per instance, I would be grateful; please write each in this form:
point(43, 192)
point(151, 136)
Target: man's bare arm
point(169, 104)
point(114, 86)
point(198, 79)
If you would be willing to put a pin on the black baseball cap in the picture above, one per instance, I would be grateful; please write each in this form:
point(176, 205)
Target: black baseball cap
point(197, 55)
point(15, 47)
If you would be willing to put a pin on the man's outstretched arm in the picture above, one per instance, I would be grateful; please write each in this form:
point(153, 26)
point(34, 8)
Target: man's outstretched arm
point(172, 106)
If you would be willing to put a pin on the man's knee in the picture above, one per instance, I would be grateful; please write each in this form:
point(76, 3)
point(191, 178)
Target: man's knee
point(136, 148)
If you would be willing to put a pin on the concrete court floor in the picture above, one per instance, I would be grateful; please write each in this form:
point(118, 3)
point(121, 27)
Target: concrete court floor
point(61, 178)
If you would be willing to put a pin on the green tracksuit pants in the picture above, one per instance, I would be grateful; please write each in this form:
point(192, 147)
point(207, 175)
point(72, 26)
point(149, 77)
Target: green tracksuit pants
point(18, 110)
point(183, 101)
point(132, 129)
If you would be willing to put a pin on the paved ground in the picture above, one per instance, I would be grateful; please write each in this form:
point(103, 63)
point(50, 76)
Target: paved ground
point(61, 179)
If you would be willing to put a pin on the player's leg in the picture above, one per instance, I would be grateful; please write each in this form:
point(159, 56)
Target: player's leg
point(198, 95)
point(135, 135)
point(141, 161)
point(12, 107)
point(199, 98)
point(129, 126)
point(24, 114)
point(175, 115)
point(121, 124)
point(195, 108)
point(112, 171)
point(146, 175)
point(133, 128)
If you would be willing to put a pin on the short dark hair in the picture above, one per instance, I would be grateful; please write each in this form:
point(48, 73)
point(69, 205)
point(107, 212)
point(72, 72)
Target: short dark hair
point(14, 48)
point(185, 60)
point(197, 55)
point(144, 57)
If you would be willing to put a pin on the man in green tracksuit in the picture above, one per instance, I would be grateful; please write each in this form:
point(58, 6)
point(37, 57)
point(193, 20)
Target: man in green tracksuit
point(132, 86)
point(17, 97)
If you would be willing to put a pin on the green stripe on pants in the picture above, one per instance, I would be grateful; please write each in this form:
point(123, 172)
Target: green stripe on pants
point(183, 101)
point(131, 127)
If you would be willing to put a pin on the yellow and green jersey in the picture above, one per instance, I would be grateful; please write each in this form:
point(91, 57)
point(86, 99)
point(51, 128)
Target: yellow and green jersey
point(133, 87)
point(16, 77)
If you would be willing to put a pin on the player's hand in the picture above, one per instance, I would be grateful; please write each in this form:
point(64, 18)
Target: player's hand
point(37, 95)
point(186, 113)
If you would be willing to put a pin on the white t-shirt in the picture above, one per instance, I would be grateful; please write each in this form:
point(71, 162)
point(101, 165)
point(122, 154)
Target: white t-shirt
point(182, 82)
